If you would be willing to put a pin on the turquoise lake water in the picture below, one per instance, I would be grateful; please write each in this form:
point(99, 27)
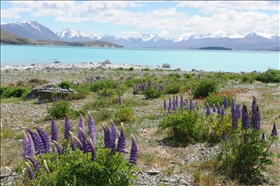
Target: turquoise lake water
point(188, 59)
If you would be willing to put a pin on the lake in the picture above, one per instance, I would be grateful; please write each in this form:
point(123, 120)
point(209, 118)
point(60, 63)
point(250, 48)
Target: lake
point(186, 59)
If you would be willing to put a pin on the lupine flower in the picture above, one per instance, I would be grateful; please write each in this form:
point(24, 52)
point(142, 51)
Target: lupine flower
point(54, 131)
point(222, 112)
point(219, 109)
point(164, 105)
point(120, 100)
point(161, 88)
point(114, 133)
point(91, 128)
point(274, 131)
point(73, 144)
point(245, 138)
point(170, 104)
point(60, 150)
point(38, 143)
point(176, 101)
point(122, 141)
point(234, 119)
point(208, 111)
point(182, 102)
point(224, 136)
point(254, 109)
point(85, 142)
point(133, 152)
point(81, 125)
point(78, 142)
point(233, 105)
point(214, 108)
point(67, 128)
point(35, 163)
point(225, 102)
point(245, 118)
point(30, 171)
point(46, 167)
point(25, 145)
point(93, 151)
point(45, 139)
point(107, 136)
point(263, 138)
point(257, 119)
point(238, 111)
point(191, 104)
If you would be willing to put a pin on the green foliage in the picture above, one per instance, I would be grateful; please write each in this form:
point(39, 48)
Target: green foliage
point(76, 167)
point(185, 126)
point(172, 88)
point(103, 84)
point(65, 85)
point(270, 76)
point(216, 99)
point(59, 109)
point(204, 88)
point(151, 93)
point(247, 78)
point(125, 114)
point(174, 75)
point(102, 102)
point(17, 91)
point(82, 92)
point(244, 160)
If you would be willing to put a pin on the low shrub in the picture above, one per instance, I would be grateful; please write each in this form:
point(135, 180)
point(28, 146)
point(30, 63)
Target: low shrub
point(172, 88)
point(103, 84)
point(125, 114)
point(217, 99)
point(59, 109)
point(65, 85)
point(204, 88)
point(270, 76)
point(17, 91)
point(152, 93)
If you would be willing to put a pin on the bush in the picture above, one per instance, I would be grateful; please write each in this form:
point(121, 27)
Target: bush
point(65, 85)
point(59, 109)
point(7, 92)
point(270, 76)
point(103, 84)
point(217, 98)
point(172, 88)
point(175, 75)
point(204, 88)
point(185, 126)
point(151, 93)
point(125, 114)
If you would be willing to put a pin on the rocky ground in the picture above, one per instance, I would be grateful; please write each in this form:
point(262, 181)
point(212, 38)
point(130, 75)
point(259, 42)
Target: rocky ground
point(160, 162)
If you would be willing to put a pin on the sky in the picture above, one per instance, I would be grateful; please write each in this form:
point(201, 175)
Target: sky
point(164, 18)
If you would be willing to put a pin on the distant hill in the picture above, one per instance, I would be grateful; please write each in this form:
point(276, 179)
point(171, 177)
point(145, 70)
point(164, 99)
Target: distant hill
point(9, 38)
point(214, 48)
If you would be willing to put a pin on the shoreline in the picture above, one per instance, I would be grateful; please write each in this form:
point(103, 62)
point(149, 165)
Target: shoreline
point(85, 65)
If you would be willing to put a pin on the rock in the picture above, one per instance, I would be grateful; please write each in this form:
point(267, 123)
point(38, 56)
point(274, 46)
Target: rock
point(92, 79)
point(153, 172)
point(166, 65)
point(44, 92)
point(106, 62)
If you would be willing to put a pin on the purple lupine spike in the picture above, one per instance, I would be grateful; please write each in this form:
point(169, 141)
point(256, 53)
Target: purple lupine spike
point(263, 139)
point(30, 171)
point(161, 88)
point(85, 142)
point(35, 163)
point(225, 102)
point(93, 151)
point(81, 125)
point(234, 119)
point(182, 102)
point(245, 138)
point(224, 136)
point(245, 118)
point(73, 144)
point(169, 110)
point(78, 142)
point(54, 131)
point(164, 105)
point(91, 128)
point(274, 131)
point(38, 143)
point(149, 83)
point(254, 109)
point(25, 145)
point(170, 104)
point(122, 141)
point(233, 105)
point(222, 112)
point(114, 132)
point(144, 86)
point(45, 139)
point(191, 104)
point(176, 101)
point(60, 150)
point(219, 109)
point(107, 136)
point(208, 111)
point(31, 146)
point(257, 119)
point(133, 152)
point(214, 108)
point(238, 110)
point(120, 100)
point(67, 128)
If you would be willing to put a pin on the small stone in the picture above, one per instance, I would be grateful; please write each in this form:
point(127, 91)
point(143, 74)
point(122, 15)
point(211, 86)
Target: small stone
point(153, 172)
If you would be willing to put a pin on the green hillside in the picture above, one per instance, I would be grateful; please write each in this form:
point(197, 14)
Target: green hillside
point(9, 38)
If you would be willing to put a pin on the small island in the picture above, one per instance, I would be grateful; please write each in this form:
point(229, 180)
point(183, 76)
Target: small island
point(214, 48)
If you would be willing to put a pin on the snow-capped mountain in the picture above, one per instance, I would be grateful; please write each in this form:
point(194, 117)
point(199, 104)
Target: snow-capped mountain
point(30, 29)
point(75, 35)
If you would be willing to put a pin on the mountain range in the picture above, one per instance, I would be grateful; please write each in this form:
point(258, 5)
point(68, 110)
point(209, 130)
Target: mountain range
point(239, 41)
